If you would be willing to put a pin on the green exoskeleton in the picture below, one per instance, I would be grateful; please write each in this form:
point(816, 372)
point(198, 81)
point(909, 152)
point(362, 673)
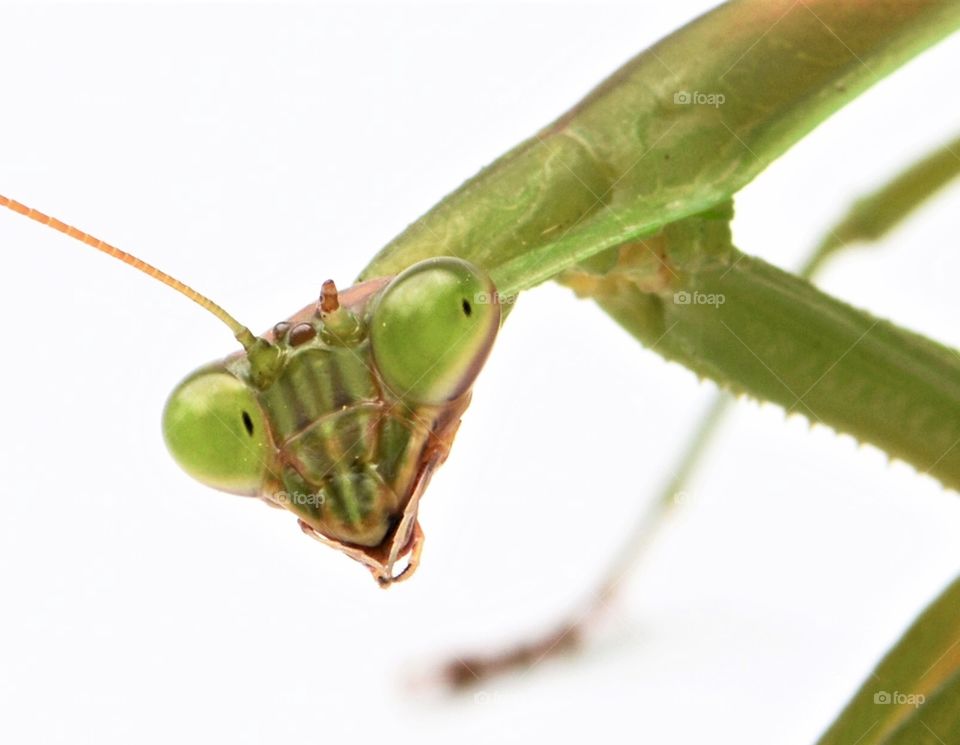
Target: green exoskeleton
point(342, 412)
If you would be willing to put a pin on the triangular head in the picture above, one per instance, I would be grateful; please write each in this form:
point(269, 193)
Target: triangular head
point(341, 413)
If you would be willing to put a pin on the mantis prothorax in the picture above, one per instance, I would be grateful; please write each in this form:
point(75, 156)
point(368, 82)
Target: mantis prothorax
point(342, 412)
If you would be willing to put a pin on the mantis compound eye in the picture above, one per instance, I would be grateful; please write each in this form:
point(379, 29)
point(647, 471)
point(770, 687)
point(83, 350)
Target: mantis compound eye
point(432, 328)
point(216, 431)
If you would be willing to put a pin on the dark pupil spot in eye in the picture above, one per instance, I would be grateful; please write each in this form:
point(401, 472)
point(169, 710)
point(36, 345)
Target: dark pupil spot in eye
point(247, 423)
point(467, 310)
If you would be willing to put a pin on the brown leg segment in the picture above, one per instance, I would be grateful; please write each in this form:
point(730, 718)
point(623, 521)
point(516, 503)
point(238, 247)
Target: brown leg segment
point(466, 671)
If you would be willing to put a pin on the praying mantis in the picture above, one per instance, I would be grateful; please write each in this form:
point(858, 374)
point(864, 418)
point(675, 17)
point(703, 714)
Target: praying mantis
point(605, 237)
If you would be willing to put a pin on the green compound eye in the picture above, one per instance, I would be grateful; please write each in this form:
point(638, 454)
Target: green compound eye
point(215, 430)
point(432, 328)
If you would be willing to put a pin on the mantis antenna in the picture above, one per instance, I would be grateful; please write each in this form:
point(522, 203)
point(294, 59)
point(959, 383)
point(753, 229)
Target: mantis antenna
point(241, 332)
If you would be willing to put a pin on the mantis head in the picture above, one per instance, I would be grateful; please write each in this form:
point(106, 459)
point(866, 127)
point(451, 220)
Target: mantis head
point(358, 402)
point(379, 379)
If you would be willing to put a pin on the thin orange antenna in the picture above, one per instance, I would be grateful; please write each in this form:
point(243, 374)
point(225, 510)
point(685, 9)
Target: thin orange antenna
point(241, 332)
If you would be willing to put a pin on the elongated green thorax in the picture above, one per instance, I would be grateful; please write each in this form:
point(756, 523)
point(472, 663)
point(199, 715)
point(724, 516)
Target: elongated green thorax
point(359, 403)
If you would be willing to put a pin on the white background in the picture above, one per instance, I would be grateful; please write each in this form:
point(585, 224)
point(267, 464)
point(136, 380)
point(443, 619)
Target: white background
point(256, 152)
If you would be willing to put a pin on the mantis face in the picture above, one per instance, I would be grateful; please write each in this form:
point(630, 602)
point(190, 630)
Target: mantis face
point(342, 413)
